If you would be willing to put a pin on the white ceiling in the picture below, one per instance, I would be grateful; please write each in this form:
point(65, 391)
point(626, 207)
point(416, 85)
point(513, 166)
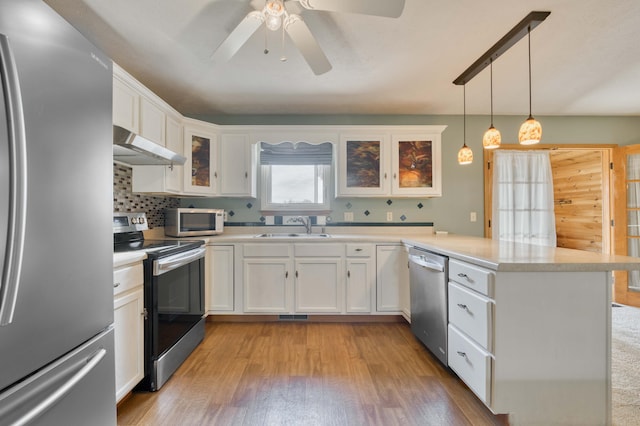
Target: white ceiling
point(585, 57)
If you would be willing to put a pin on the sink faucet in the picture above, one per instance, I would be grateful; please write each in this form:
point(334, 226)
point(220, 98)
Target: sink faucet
point(305, 220)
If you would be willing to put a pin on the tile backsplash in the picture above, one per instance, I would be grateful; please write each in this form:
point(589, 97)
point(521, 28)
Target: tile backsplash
point(126, 201)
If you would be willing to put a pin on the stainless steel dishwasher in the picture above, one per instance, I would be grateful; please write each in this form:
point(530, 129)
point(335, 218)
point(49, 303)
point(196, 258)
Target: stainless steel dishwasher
point(428, 286)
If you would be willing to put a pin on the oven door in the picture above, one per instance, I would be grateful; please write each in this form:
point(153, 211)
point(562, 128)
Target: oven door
point(177, 298)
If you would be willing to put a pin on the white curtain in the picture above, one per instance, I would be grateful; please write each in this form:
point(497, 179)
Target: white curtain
point(523, 198)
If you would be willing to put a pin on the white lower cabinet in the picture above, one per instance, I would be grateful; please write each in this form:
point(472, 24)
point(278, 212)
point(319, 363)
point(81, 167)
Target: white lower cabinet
point(360, 280)
point(392, 276)
point(318, 285)
point(267, 285)
point(128, 316)
point(220, 279)
point(471, 362)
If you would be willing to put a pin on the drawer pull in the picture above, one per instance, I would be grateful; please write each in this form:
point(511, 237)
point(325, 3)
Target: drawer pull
point(463, 306)
point(463, 275)
point(115, 285)
point(462, 354)
point(358, 249)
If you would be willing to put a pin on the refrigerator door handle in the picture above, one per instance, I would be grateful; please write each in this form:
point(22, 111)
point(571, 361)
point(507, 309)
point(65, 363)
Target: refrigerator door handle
point(17, 185)
point(61, 391)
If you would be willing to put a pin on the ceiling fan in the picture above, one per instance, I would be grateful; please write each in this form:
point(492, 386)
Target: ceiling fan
point(280, 15)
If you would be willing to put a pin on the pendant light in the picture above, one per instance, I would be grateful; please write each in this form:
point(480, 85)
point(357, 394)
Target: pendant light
point(491, 138)
point(531, 130)
point(465, 155)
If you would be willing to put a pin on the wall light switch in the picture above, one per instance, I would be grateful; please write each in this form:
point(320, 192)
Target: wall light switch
point(473, 217)
point(348, 216)
point(389, 216)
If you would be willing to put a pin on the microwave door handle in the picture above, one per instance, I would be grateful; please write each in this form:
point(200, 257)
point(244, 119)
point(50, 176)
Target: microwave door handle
point(17, 200)
point(161, 266)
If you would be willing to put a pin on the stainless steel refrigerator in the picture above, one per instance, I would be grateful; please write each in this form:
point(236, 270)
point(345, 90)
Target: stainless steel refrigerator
point(56, 293)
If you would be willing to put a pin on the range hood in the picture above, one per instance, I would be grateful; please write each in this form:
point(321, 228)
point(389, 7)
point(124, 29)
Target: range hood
point(135, 150)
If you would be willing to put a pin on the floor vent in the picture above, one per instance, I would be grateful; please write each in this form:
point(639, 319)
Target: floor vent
point(293, 317)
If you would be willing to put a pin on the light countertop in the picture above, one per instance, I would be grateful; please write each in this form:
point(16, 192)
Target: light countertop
point(516, 257)
point(121, 259)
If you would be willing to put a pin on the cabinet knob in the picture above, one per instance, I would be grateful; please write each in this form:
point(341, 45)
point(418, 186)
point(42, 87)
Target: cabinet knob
point(348, 274)
point(115, 285)
point(296, 274)
point(215, 175)
point(246, 175)
point(286, 274)
point(385, 175)
point(394, 176)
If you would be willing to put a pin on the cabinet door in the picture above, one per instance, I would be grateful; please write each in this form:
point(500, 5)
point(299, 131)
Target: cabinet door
point(392, 277)
point(201, 168)
point(152, 120)
point(360, 281)
point(267, 285)
point(318, 285)
point(128, 316)
point(173, 135)
point(363, 165)
point(126, 103)
point(416, 165)
point(236, 166)
point(220, 280)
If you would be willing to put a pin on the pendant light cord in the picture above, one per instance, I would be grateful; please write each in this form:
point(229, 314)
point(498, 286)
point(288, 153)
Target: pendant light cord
point(491, 86)
point(464, 114)
point(529, 41)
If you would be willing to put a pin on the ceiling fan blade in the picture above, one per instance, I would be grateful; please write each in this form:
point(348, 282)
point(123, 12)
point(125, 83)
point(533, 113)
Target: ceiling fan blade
point(387, 8)
point(307, 45)
point(238, 36)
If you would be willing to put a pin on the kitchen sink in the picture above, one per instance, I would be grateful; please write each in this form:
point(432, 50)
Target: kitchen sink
point(292, 235)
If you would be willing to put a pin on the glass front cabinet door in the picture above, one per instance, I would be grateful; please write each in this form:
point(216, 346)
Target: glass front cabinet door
point(201, 168)
point(363, 165)
point(416, 165)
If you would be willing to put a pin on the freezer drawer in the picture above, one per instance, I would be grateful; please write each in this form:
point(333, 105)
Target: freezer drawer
point(77, 389)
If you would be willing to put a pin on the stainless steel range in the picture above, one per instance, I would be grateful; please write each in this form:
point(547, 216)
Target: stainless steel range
point(173, 296)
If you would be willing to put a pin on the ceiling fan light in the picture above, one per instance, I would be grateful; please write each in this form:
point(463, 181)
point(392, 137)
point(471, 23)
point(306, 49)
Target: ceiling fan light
point(274, 7)
point(465, 155)
point(530, 132)
point(273, 22)
point(491, 138)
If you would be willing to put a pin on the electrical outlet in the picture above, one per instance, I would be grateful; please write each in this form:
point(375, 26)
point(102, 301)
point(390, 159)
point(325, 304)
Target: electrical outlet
point(348, 216)
point(389, 216)
point(473, 217)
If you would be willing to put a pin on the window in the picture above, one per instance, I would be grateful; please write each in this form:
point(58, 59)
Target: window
point(296, 177)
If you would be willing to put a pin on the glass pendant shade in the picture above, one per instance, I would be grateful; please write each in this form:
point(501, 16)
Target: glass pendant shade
point(530, 132)
point(491, 138)
point(273, 22)
point(465, 155)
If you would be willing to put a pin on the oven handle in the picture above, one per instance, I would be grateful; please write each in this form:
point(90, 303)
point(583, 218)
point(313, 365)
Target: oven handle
point(167, 264)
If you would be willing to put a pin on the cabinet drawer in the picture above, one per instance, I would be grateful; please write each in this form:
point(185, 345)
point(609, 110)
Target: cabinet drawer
point(127, 277)
point(471, 363)
point(267, 250)
point(474, 277)
point(359, 250)
point(318, 250)
point(471, 313)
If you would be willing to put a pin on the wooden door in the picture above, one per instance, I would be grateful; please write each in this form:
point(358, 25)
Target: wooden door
point(626, 173)
point(581, 182)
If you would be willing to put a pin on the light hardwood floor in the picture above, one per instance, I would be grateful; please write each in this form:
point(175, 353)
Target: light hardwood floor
point(299, 373)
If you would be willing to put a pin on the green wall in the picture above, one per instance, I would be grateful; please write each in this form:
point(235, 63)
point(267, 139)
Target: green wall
point(462, 186)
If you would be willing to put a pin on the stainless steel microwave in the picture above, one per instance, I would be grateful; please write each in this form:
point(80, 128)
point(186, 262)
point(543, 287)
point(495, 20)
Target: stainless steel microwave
point(185, 222)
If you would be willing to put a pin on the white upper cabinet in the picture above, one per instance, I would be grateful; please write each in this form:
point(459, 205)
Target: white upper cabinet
point(399, 161)
point(363, 165)
point(237, 165)
point(126, 104)
point(152, 121)
point(201, 149)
